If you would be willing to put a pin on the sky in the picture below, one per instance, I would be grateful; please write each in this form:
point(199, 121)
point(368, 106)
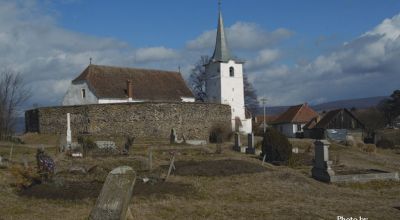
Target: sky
point(295, 51)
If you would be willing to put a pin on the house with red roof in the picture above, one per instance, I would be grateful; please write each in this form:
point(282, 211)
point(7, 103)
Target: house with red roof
point(292, 121)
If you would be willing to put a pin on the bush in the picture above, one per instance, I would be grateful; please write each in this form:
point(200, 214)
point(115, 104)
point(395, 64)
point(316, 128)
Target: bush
point(385, 143)
point(276, 146)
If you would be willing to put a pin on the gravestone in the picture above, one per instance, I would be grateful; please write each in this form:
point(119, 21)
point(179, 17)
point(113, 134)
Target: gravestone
point(115, 196)
point(172, 136)
point(236, 147)
point(127, 146)
point(322, 166)
point(250, 144)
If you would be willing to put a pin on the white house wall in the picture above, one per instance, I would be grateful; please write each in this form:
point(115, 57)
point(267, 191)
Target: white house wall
point(289, 129)
point(74, 95)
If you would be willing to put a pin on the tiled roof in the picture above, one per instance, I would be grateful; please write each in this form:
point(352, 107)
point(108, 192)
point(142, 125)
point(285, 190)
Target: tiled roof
point(111, 82)
point(296, 114)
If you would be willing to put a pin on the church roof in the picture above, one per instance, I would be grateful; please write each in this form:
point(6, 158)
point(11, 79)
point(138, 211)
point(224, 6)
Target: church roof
point(221, 51)
point(296, 114)
point(148, 84)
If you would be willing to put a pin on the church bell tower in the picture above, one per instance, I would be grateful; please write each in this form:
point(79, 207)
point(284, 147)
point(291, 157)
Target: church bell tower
point(224, 82)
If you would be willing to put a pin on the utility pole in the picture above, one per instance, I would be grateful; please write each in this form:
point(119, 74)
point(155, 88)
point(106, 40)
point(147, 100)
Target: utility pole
point(264, 102)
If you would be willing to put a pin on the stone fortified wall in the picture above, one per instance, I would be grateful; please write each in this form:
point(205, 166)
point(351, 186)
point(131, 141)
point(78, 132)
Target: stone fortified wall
point(194, 120)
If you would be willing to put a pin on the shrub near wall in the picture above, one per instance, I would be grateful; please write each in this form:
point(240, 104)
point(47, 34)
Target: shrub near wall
point(194, 120)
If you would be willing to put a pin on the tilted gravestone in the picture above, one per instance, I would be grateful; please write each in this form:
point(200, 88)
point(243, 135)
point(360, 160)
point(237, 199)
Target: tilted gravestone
point(236, 147)
point(250, 144)
point(322, 166)
point(115, 196)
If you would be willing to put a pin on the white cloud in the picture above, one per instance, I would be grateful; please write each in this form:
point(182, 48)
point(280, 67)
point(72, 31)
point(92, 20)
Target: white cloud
point(263, 58)
point(49, 57)
point(155, 54)
point(366, 66)
point(242, 36)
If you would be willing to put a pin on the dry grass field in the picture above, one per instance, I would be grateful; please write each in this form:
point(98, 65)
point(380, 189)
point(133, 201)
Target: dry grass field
point(205, 185)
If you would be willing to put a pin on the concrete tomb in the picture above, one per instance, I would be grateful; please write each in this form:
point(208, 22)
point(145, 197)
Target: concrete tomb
point(322, 166)
point(115, 196)
point(322, 170)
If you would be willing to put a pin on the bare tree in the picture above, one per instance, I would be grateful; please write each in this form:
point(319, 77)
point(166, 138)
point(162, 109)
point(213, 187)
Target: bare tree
point(250, 96)
point(391, 107)
point(13, 93)
point(198, 78)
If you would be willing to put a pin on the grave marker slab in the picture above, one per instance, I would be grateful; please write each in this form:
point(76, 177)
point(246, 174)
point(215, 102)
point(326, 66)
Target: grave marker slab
point(250, 144)
point(237, 147)
point(115, 196)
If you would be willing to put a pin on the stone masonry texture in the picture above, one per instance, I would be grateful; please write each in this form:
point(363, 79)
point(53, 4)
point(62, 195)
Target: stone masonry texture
point(151, 119)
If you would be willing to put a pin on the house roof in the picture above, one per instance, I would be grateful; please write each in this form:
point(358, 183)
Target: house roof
point(296, 114)
point(111, 82)
point(329, 116)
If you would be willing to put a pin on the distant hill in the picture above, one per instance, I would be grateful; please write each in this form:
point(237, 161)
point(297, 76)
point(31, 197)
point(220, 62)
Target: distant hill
point(348, 103)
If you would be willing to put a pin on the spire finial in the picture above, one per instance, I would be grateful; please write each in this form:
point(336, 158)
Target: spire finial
point(219, 5)
point(90, 61)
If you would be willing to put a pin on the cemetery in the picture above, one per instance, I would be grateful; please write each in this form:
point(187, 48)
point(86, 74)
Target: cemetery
point(179, 179)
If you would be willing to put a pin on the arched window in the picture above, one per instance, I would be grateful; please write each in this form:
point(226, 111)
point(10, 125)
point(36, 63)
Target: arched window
point(231, 71)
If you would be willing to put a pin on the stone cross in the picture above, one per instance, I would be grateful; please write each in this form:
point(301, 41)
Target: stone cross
point(115, 196)
point(69, 136)
point(250, 144)
point(322, 166)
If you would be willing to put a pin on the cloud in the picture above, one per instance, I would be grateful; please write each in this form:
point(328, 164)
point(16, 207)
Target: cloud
point(155, 54)
point(264, 58)
point(49, 57)
point(366, 66)
point(241, 36)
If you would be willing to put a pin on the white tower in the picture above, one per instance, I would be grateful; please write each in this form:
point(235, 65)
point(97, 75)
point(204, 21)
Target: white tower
point(224, 82)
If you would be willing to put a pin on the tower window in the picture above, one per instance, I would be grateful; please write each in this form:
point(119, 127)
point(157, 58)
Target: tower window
point(231, 71)
point(83, 93)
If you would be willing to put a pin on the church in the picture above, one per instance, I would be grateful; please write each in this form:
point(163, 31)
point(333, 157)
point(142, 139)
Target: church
point(224, 84)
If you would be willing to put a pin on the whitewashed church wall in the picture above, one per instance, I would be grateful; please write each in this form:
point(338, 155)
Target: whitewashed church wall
point(74, 95)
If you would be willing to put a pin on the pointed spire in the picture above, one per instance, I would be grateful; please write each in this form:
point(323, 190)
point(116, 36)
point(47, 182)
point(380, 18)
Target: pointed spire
point(221, 51)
